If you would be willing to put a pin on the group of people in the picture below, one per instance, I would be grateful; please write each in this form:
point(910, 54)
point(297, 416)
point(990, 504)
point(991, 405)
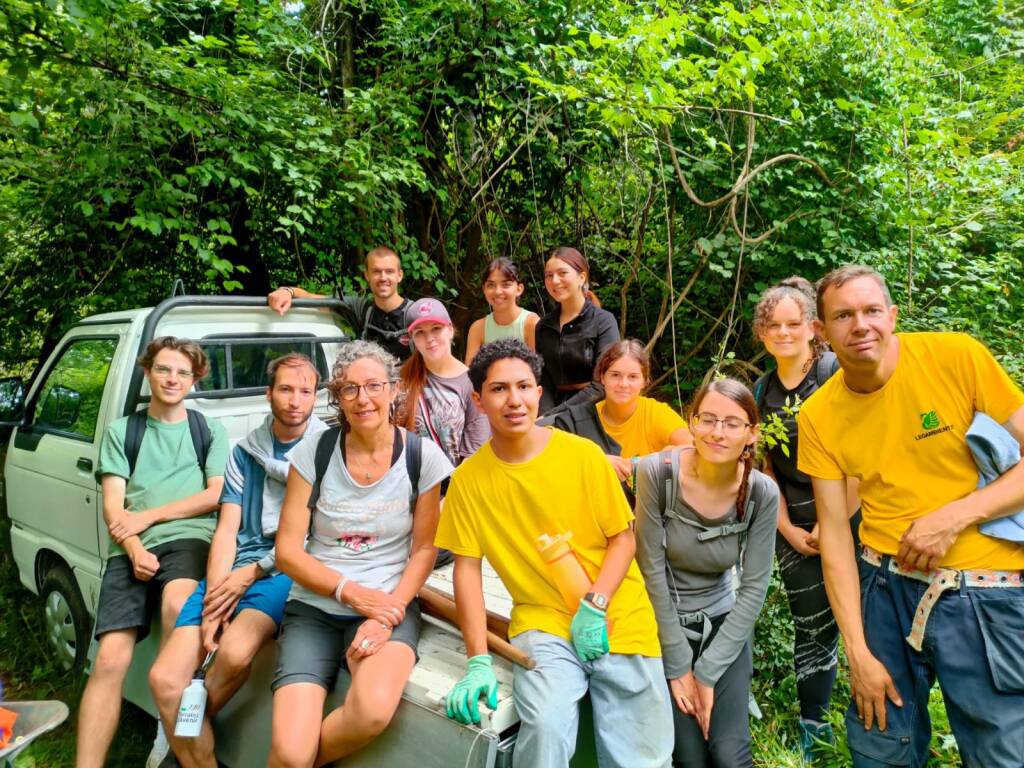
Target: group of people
point(637, 545)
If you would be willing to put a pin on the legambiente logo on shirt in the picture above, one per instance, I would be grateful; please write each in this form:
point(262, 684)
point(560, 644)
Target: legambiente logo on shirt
point(930, 423)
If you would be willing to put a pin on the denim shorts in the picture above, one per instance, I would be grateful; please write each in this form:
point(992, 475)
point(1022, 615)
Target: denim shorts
point(973, 645)
point(313, 643)
point(265, 595)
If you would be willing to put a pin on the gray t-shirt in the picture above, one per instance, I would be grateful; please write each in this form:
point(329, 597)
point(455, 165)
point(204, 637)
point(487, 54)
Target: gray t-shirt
point(457, 425)
point(685, 575)
point(362, 531)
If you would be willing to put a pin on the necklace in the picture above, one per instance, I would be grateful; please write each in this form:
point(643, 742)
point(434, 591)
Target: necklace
point(371, 466)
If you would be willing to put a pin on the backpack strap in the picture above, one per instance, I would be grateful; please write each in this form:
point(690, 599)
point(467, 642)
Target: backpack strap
point(133, 434)
point(759, 387)
point(413, 462)
point(199, 430)
point(664, 480)
point(826, 366)
point(324, 448)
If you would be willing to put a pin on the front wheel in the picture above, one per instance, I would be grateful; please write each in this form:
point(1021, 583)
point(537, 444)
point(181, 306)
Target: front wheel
point(66, 620)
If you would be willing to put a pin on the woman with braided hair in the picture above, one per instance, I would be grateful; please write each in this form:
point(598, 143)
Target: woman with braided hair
point(700, 511)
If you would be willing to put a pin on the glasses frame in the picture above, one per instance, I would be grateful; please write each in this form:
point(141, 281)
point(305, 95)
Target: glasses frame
point(365, 387)
point(163, 371)
point(727, 429)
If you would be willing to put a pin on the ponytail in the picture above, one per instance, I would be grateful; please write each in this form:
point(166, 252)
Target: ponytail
point(590, 296)
point(414, 378)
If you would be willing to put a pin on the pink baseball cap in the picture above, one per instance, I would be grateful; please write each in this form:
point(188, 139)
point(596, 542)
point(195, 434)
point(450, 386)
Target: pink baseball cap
point(426, 311)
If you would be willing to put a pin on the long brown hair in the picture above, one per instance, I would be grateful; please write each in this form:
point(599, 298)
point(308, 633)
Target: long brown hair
point(413, 375)
point(737, 392)
point(579, 262)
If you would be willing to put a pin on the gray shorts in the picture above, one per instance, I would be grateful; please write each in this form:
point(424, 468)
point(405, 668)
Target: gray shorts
point(313, 643)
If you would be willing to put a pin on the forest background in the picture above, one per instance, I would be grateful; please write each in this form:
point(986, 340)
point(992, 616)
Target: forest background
point(695, 152)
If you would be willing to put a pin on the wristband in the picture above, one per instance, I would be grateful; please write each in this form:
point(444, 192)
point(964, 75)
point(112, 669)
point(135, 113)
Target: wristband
point(635, 461)
point(291, 291)
point(339, 588)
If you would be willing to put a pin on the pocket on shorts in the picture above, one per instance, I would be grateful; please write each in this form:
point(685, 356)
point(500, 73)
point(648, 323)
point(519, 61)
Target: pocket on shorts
point(879, 747)
point(1001, 619)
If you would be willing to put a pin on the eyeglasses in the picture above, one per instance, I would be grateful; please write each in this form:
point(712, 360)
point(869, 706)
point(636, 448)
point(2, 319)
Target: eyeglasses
point(164, 371)
point(351, 391)
point(731, 425)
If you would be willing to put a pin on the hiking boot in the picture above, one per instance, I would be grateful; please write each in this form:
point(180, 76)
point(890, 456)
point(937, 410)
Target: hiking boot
point(813, 736)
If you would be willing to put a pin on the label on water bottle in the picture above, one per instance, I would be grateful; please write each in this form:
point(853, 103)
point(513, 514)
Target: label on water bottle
point(191, 710)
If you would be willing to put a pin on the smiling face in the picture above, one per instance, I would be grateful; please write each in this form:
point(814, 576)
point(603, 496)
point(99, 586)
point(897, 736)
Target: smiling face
point(501, 290)
point(170, 377)
point(561, 280)
point(788, 333)
point(383, 273)
point(293, 395)
point(723, 441)
point(623, 381)
point(366, 412)
point(858, 323)
point(509, 397)
point(433, 340)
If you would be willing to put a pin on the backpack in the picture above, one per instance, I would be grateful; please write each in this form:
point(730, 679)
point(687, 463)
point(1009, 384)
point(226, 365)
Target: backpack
point(826, 365)
point(666, 492)
point(198, 429)
point(325, 448)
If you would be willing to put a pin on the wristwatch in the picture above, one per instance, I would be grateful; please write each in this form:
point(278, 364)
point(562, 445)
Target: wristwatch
point(598, 600)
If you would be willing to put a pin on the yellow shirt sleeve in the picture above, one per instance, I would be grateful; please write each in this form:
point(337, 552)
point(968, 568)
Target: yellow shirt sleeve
point(812, 456)
point(605, 494)
point(994, 390)
point(456, 530)
point(665, 421)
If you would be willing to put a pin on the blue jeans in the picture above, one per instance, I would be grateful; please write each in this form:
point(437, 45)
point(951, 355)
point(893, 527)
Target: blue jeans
point(632, 709)
point(973, 645)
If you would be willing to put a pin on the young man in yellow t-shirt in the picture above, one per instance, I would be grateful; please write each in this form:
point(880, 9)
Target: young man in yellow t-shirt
point(583, 614)
point(934, 597)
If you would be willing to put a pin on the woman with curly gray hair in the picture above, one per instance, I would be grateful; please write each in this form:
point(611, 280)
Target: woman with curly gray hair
point(358, 554)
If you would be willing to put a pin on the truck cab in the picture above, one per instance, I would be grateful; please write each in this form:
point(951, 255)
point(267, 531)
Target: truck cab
point(59, 539)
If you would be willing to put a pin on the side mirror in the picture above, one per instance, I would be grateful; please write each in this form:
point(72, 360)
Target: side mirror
point(12, 402)
point(60, 408)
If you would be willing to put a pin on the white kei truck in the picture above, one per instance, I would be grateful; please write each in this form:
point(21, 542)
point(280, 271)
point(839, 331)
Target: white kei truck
point(59, 540)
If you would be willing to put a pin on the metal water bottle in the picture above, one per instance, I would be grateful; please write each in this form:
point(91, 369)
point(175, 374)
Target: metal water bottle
point(192, 708)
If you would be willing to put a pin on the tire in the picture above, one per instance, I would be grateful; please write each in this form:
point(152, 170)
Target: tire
point(67, 622)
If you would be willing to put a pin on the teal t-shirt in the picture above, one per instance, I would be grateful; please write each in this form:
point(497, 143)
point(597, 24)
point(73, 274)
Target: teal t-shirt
point(167, 469)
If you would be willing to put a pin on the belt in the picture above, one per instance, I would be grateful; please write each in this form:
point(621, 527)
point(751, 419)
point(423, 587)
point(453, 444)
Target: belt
point(940, 580)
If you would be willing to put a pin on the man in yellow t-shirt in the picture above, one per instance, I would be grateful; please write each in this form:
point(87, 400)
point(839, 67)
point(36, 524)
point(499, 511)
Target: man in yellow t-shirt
point(935, 597)
point(546, 511)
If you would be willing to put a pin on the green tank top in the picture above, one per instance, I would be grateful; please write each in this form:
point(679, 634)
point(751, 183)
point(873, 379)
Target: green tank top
point(514, 330)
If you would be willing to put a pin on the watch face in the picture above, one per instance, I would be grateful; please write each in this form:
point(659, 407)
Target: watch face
point(599, 600)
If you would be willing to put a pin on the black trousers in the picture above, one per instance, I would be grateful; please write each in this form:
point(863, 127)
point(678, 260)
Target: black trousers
point(728, 744)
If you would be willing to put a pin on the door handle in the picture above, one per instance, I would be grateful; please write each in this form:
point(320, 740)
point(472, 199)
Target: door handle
point(84, 464)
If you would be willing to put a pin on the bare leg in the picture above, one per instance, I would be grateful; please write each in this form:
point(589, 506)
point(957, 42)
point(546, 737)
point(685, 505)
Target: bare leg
point(173, 597)
point(295, 730)
point(100, 708)
point(377, 684)
point(172, 671)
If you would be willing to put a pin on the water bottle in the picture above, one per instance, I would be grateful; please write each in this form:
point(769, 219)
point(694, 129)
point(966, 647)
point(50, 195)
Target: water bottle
point(192, 708)
point(567, 572)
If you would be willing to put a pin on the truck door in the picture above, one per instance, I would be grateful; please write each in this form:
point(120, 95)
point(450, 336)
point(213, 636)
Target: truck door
point(53, 493)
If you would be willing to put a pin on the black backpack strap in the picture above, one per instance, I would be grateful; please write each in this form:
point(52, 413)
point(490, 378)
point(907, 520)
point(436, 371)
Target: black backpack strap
point(827, 365)
point(324, 448)
point(664, 480)
point(413, 461)
point(201, 438)
point(759, 387)
point(133, 434)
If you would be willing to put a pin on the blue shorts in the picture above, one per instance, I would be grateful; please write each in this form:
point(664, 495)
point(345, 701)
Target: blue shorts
point(266, 595)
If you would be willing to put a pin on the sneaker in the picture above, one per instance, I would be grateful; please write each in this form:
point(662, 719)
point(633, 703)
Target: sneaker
point(160, 748)
point(813, 736)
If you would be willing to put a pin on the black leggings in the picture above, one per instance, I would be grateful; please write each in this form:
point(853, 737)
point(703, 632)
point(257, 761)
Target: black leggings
point(817, 635)
point(728, 744)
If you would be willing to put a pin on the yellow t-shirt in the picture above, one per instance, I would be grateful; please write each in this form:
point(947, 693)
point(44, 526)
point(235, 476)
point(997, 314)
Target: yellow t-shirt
point(498, 510)
point(905, 442)
point(648, 430)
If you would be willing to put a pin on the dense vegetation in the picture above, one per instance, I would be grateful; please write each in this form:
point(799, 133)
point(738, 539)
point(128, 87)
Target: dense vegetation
point(696, 152)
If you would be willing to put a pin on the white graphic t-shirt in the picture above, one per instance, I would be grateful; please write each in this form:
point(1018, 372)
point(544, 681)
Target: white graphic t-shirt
point(363, 531)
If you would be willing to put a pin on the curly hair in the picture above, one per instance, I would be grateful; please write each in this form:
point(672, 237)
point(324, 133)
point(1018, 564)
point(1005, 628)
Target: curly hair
point(502, 349)
point(351, 351)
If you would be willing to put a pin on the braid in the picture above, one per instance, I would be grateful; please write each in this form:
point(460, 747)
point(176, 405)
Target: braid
point(741, 494)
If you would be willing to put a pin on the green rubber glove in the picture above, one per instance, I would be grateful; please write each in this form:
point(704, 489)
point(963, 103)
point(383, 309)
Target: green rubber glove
point(589, 630)
point(461, 702)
